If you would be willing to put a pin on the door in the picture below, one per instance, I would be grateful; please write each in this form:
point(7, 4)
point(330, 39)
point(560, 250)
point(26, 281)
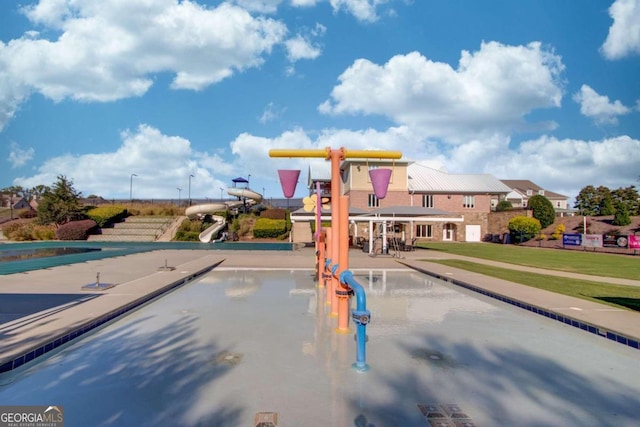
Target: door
point(448, 231)
point(472, 233)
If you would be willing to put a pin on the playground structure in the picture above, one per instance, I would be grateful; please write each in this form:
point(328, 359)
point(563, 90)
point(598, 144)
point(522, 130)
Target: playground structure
point(332, 243)
point(246, 197)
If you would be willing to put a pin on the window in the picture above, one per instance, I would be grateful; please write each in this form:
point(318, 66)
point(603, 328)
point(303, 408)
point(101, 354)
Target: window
point(373, 201)
point(541, 192)
point(558, 205)
point(427, 200)
point(468, 201)
point(529, 192)
point(424, 230)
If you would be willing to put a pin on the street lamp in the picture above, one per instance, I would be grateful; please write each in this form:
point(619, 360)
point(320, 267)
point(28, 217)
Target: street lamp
point(131, 187)
point(190, 176)
point(179, 191)
point(221, 190)
point(248, 179)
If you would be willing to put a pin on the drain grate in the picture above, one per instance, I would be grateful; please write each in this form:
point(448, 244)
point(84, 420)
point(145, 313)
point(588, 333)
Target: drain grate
point(266, 419)
point(227, 358)
point(445, 415)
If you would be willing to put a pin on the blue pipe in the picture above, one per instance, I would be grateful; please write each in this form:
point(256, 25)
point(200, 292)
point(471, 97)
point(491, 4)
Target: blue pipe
point(361, 316)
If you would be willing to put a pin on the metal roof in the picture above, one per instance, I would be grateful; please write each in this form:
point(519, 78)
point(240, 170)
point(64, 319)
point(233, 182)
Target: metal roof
point(424, 179)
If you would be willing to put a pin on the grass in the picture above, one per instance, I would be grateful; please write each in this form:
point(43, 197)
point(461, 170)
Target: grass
point(614, 295)
point(595, 264)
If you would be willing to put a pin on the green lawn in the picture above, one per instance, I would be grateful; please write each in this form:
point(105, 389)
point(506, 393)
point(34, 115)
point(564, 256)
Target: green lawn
point(615, 295)
point(597, 264)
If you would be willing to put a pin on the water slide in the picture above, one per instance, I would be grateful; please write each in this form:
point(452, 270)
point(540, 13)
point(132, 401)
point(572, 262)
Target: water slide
point(199, 211)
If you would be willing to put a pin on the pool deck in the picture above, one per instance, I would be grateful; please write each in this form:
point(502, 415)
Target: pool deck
point(30, 328)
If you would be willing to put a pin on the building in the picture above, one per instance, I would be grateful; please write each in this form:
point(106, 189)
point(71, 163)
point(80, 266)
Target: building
point(522, 190)
point(422, 203)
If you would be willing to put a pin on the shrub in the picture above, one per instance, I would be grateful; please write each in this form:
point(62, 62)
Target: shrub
point(543, 210)
point(558, 232)
point(269, 228)
point(523, 228)
point(105, 215)
point(76, 230)
point(43, 232)
point(621, 217)
point(504, 205)
point(18, 231)
point(28, 213)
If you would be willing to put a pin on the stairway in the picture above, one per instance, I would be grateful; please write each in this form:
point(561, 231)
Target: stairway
point(134, 229)
point(301, 232)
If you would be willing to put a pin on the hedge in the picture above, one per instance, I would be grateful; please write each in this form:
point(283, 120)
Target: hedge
point(76, 230)
point(105, 215)
point(269, 228)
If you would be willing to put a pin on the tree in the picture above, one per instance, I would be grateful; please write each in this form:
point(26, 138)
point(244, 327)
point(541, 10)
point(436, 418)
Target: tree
point(629, 197)
point(606, 205)
point(61, 204)
point(621, 217)
point(543, 210)
point(587, 201)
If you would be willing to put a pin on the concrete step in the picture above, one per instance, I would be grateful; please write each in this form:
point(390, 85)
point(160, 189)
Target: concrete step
point(120, 238)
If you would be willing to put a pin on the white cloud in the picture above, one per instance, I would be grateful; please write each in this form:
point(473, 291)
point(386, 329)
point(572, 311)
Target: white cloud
point(565, 166)
point(624, 34)
point(111, 50)
point(492, 90)
point(19, 157)
point(363, 10)
point(162, 164)
point(300, 48)
point(598, 107)
point(304, 3)
point(261, 6)
point(270, 113)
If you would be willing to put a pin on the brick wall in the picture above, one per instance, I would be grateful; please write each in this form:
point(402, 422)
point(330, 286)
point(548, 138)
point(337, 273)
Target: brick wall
point(499, 221)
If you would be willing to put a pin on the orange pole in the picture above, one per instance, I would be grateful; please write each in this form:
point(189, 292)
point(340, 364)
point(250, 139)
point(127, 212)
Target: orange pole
point(329, 256)
point(342, 291)
point(335, 156)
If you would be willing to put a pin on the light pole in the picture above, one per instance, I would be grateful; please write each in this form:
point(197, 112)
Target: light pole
point(190, 176)
point(179, 191)
point(248, 179)
point(131, 188)
point(221, 190)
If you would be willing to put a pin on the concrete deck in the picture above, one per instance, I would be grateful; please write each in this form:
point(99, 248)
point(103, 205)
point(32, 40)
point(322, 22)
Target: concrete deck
point(29, 327)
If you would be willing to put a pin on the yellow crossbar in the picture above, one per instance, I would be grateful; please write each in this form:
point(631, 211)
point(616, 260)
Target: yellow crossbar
point(347, 154)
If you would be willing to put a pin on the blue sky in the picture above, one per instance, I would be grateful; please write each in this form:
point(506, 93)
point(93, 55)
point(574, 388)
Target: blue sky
point(97, 90)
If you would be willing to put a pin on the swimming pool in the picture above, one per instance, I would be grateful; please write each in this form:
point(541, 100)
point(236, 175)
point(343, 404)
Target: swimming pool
point(57, 253)
point(237, 342)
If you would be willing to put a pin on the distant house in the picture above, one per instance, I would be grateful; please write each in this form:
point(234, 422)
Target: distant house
point(15, 202)
point(522, 190)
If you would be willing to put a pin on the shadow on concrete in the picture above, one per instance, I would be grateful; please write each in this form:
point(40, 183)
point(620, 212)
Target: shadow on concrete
point(512, 387)
point(136, 374)
point(14, 306)
point(630, 303)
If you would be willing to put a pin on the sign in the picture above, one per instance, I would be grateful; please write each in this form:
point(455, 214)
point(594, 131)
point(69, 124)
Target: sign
point(572, 239)
point(31, 416)
point(592, 240)
point(634, 242)
point(614, 241)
